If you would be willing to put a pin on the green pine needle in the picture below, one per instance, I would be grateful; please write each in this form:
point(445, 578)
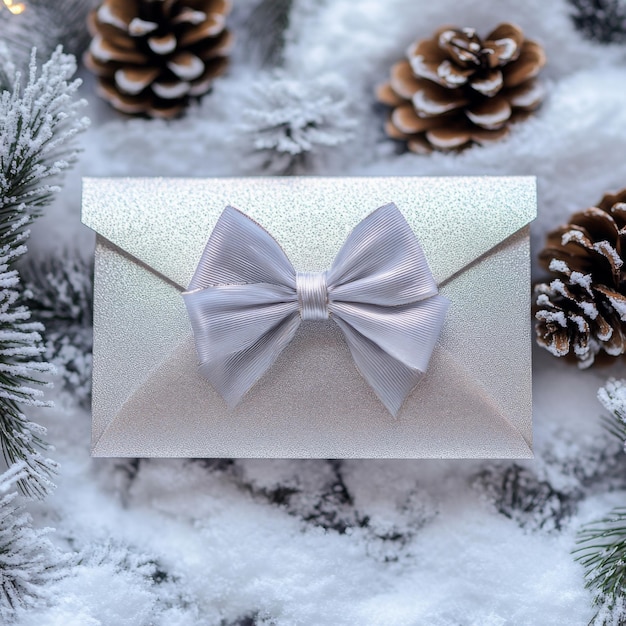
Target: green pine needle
point(38, 122)
point(602, 543)
point(602, 553)
point(614, 426)
point(613, 398)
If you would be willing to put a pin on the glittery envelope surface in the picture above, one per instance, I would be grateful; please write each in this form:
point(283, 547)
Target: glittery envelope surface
point(149, 399)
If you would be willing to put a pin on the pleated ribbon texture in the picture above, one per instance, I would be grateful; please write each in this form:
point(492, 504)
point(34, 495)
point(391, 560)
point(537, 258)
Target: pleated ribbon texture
point(246, 301)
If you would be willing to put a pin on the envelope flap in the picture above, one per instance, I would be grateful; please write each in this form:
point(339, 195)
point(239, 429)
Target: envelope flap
point(165, 223)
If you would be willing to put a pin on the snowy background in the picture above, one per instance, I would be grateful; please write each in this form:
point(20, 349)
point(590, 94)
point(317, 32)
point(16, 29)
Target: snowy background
point(235, 542)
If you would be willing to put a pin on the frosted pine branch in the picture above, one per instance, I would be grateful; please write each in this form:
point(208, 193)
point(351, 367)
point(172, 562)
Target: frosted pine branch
point(20, 371)
point(286, 121)
point(28, 560)
point(601, 20)
point(38, 122)
point(602, 544)
point(266, 31)
point(613, 398)
point(45, 25)
point(7, 68)
point(60, 295)
point(602, 552)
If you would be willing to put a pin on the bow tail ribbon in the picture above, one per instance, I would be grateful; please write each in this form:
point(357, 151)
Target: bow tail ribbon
point(394, 363)
point(245, 308)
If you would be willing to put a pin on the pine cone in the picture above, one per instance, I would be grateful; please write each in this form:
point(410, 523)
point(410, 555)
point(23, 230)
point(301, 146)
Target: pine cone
point(457, 89)
point(583, 310)
point(152, 55)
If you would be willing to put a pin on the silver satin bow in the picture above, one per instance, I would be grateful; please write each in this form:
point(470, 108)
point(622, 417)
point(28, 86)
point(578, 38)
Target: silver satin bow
point(245, 302)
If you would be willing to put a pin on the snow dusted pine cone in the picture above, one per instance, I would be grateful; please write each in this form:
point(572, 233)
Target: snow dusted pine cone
point(582, 311)
point(457, 89)
point(152, 55)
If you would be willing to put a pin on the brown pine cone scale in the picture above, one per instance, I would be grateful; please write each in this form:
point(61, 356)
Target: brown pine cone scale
point(151, 56)
point(456, 89)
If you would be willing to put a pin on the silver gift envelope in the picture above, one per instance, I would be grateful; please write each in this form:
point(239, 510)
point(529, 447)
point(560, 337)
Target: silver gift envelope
point(149, 399)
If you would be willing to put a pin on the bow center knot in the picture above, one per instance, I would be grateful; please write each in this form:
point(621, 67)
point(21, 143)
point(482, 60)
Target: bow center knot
point(312, 293)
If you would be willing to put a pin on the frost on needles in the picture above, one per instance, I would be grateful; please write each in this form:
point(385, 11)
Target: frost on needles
point(286, 122)
point(38, 121)
point(28, 559)
point(602, 544)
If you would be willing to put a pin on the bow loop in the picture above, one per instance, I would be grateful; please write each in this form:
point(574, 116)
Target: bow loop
point(246, 301)
point(223, 261)
point(381, 262)
point(229, 318)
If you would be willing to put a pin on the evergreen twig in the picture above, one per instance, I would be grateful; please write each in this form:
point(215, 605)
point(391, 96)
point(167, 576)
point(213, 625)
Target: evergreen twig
point(613, 398)
point(287, 122)
point(601, 20)
point(45, 24)
point(602, 543)
point(38, 122)
point(602, 553)
point(266, 28)
point(28, 559)
point(60, 294)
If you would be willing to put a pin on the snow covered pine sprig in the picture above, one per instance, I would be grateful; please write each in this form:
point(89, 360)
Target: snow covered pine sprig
point(613, 398)
point(581, 312)
point(38, 122)
point(288, 123)
point(602, 544)
point(29, 561)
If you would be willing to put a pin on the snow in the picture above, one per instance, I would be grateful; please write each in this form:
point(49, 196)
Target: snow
point(605, 248)
point(286, 542)
point(137, 26)
point(162, 45)
point(491, 120)
point(552, 316)
point(98, 50)
point(444, 70)
point(507, 47)
point(431, 107)
point(286, 122)
point(584, 280)
point(619, 305)
point(190, 68)
point(582, 324)
point(106, 16)
point(613, 397)
point(421, 68)
point(190, 16)
point(528, 98)
point(591, 311)
point(129, 86)
point(170, 90)
point(29, 563)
